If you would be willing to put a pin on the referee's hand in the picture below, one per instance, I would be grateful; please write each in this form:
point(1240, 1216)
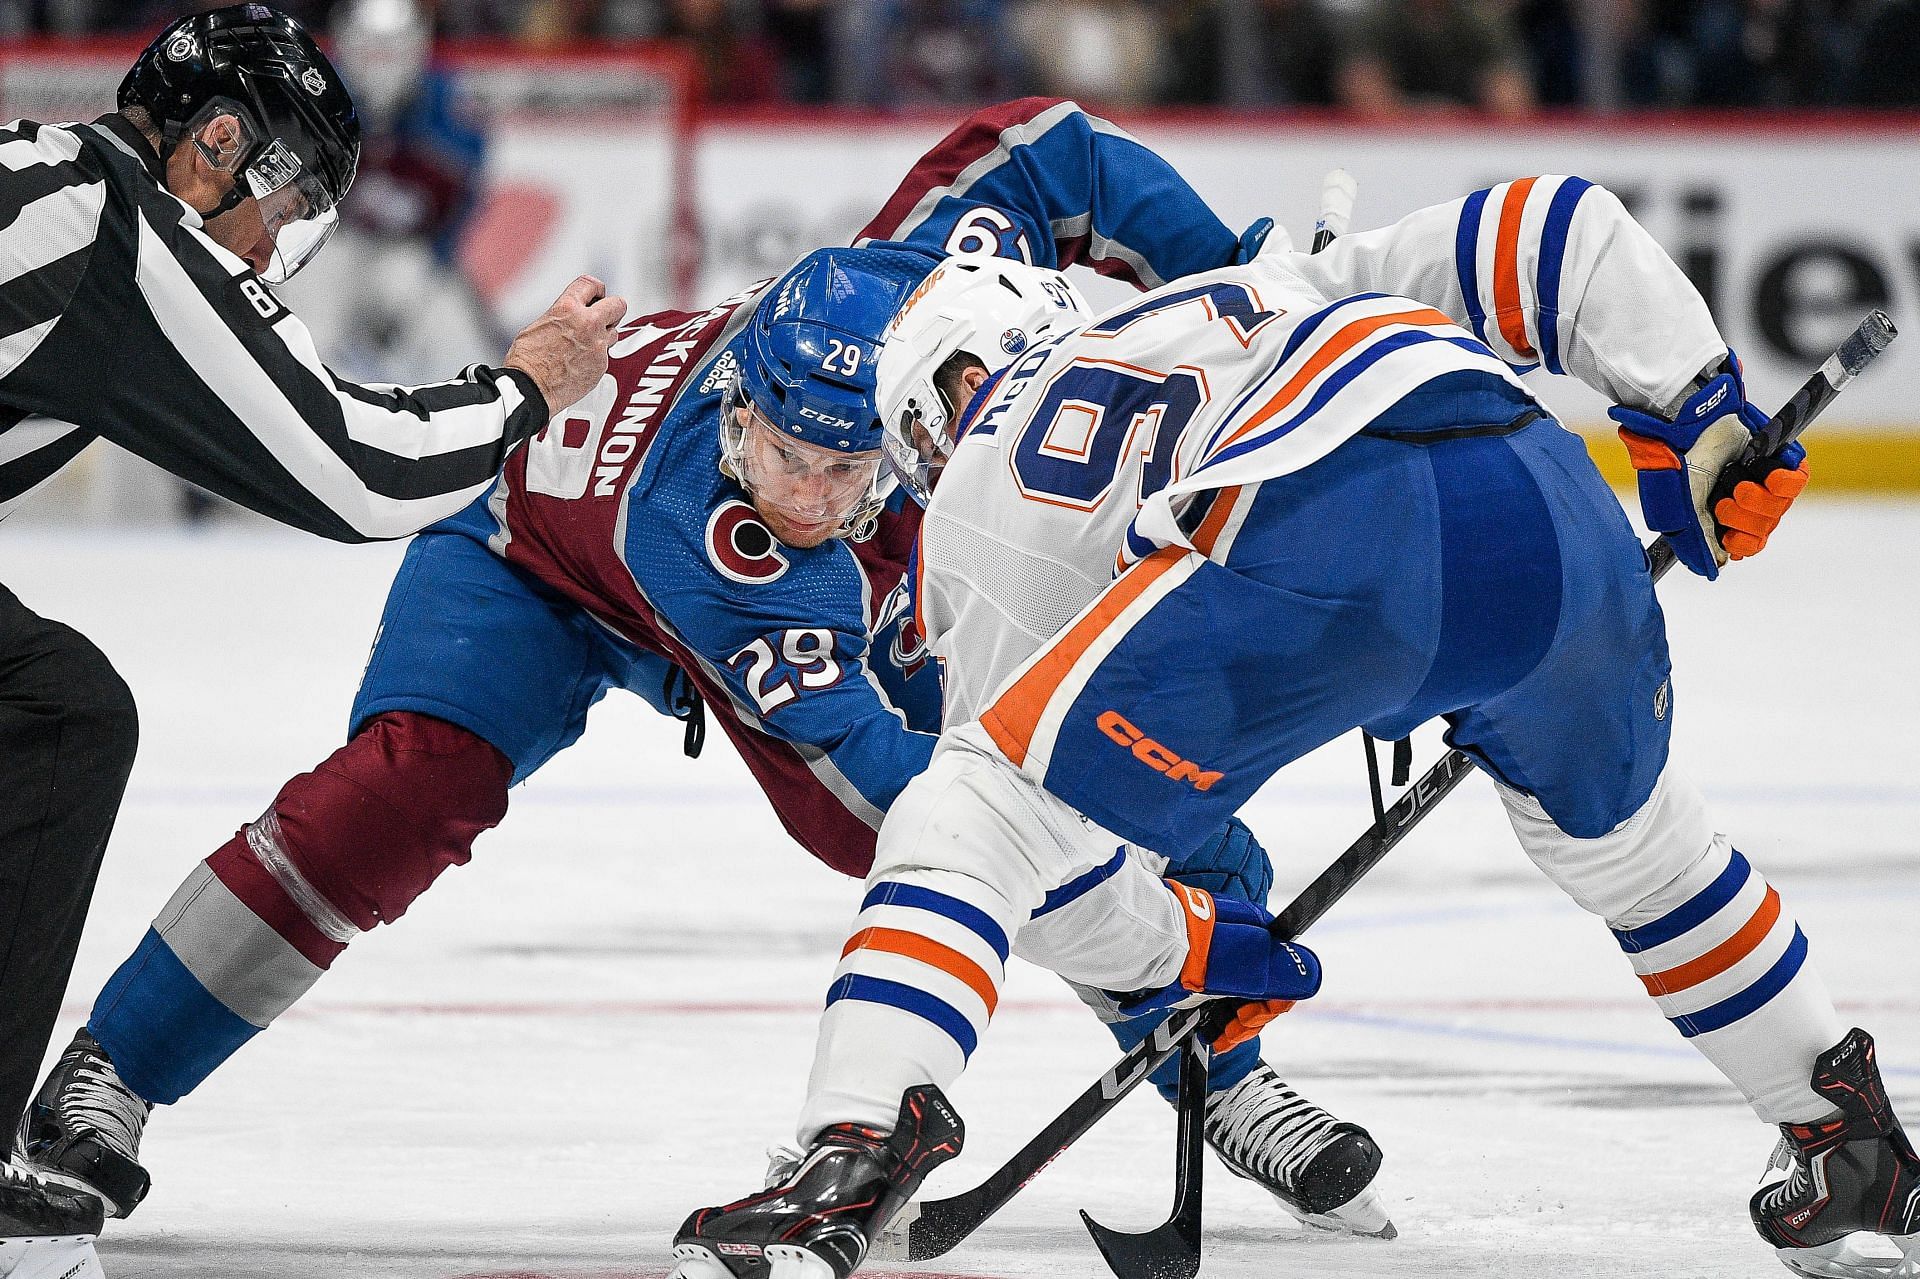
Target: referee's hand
point(565, 350)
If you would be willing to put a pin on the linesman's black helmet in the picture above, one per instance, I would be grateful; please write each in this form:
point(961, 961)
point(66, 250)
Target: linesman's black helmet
point(302, 140)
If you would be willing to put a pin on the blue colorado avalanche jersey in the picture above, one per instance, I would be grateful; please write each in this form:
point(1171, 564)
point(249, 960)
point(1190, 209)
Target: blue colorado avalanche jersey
point(620, 504)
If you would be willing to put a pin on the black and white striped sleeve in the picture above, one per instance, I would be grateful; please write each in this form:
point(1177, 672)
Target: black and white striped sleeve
point(169, 346)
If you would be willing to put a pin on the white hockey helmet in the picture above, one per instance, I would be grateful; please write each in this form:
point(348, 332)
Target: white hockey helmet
point(994, 309)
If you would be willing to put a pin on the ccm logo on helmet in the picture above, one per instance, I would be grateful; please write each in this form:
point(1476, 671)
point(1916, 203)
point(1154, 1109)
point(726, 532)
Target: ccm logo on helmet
point(741, 547)
point(1153, 754)
point(827, 418)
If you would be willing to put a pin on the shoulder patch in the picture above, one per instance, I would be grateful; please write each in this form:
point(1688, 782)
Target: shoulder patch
point(741, 547)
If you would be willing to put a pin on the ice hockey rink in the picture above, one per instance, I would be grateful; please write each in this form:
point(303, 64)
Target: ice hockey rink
point(602, 1022)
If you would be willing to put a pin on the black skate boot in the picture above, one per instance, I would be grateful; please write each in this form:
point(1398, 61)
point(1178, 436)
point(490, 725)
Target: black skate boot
point(1320, 1169)
point(83, 1129)
point(1841, 1198)
point(816, 1222)
point(46, 1230)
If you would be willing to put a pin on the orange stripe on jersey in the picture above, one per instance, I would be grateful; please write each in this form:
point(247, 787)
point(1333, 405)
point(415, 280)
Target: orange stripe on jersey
point(931, 953)
point(1720, 958)
point(1216, 522)
point(1013, 718)
point(920, 584)
point(1506, 269)
point(1332, 349)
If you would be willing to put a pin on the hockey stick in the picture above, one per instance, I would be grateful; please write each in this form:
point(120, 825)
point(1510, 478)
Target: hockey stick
point(1170, 1250)
point(936, 1227)
point(1337, 194)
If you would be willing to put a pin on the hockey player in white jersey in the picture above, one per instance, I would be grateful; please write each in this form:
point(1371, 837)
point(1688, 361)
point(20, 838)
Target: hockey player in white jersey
point(1267, 505)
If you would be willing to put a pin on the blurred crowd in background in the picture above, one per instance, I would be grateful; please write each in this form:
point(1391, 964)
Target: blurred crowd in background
point(1383, 58)
point(395, 297)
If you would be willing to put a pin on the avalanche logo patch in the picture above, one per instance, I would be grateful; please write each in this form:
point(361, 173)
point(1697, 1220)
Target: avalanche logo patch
point(741, 547)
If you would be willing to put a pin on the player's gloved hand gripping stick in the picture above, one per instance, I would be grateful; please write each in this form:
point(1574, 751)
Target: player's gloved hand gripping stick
point(1171, 1251)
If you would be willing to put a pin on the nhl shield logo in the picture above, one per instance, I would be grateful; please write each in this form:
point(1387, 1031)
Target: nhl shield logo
point(313, 81)
point(182, 47)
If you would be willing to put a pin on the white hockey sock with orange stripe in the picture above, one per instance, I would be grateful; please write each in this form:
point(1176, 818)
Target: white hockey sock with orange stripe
point(1727, 964)
point(917, 983)
point(1711, 941)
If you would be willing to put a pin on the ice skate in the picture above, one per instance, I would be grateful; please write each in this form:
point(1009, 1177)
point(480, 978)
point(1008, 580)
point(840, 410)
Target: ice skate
point(46, 1231)
point(1320, 1169)
point(817, 1222)
point(1841, 1197)
point(83, 1129)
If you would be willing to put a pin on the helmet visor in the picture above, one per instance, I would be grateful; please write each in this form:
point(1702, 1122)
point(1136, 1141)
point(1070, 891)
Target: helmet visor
point(916, 447)
point(295, 208)
point(808, 487)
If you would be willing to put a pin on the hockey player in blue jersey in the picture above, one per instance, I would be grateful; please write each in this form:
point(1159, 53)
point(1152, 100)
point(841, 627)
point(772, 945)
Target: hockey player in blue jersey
point(708, 528)
point(1290, 499)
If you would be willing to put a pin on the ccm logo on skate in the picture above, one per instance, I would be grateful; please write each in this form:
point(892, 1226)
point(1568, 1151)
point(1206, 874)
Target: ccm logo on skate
point(1153, 754)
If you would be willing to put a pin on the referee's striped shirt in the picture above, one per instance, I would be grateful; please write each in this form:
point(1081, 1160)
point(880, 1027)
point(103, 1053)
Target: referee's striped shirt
point(119, 318)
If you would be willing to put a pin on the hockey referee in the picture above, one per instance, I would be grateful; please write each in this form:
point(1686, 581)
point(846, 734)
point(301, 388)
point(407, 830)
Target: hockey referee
point(136, 259)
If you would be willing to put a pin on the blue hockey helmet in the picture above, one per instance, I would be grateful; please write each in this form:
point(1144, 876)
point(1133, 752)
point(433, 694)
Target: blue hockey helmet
point(806, 373)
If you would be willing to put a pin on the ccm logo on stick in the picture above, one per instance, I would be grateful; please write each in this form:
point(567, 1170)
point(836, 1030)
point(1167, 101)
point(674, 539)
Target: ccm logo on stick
point(1153, 754)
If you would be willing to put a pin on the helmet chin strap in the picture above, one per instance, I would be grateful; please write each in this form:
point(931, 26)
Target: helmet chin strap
point(228, 203)
point(235, 193)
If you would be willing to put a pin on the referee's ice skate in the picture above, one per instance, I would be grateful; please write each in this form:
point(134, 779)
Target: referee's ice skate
point(817, 1222)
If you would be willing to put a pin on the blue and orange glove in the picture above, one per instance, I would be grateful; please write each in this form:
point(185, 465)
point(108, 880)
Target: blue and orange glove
point(1693, 487)
point(1232, 951)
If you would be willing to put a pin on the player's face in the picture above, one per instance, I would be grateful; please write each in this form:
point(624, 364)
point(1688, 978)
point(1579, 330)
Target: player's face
point(803, 492)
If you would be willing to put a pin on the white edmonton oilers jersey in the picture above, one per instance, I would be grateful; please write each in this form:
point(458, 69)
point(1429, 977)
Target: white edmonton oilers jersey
point(1092, 448)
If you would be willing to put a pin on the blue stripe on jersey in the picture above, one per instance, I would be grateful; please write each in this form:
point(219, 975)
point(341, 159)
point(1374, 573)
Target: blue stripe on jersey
point(1690, 914)
point(1732, 1009)
point(1074, 890)
point(908, 999)
point(1302, 331)
point(1466, 258)
point(1337, 382)
point(1553, 254)
point(969, 916)
point(1139, 547)
point(1465, 397)
point(162, 1028)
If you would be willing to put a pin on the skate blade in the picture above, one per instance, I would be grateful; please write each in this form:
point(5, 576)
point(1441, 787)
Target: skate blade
point(1860, 1255)
point(66, 1257)
point(697, 1261)
point(891, 1243)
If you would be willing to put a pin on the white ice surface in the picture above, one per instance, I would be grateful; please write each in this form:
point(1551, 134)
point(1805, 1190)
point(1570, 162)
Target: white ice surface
point(600, 1023)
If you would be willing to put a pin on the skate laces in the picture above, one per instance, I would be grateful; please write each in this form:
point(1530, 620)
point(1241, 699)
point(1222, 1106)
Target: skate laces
point(1267, 1126)
point(782, 1162)
point(94, 1098)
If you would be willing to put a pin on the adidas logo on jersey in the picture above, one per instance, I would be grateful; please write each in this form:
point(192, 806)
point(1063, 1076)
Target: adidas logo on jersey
point(1153, 754)
point(724, 370)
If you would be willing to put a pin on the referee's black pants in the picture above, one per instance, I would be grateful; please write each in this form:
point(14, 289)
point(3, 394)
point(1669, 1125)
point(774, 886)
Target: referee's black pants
point(67, 735)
